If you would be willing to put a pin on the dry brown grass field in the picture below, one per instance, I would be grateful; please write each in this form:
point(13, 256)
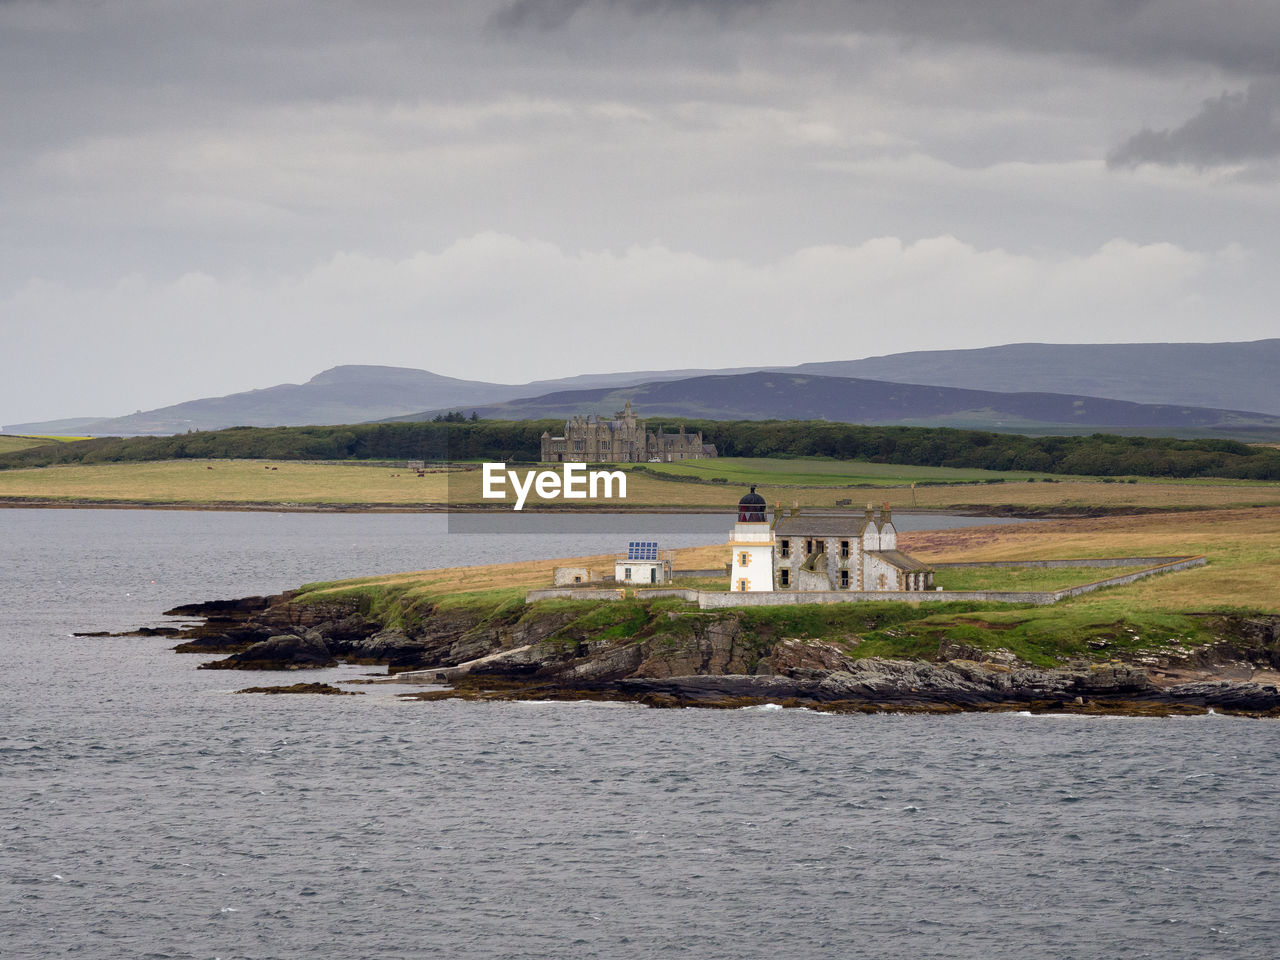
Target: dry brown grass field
point(202, 482)
point(524, 575)
point(1242, 546)
point(11, 442)
point(645, 490)
point(292, 483)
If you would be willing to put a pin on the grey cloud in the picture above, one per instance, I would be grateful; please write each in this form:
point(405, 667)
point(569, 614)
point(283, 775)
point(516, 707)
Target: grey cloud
point(1239, 127)
point(542, 14)
point(552, 14)
point(1234, 35)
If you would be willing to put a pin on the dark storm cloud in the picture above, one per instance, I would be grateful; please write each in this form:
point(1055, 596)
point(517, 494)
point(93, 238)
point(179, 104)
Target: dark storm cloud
point(551, 14)
point(543, 14)
point(1234, 35)
point(1234, 128)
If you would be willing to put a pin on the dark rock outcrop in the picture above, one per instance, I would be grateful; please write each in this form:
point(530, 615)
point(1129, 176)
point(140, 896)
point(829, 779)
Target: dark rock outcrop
point(285, 652)
point(904, 684)
point(327, 689)
point(700, 659)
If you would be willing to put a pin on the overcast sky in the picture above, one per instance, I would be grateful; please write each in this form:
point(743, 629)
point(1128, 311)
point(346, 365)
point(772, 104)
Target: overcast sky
point(204, 197)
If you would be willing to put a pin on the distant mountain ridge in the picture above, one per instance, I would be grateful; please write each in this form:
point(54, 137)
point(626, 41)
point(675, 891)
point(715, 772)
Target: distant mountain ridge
point(785, 395)
point(1213, 376)
point(1229, 376)
point(345, 394)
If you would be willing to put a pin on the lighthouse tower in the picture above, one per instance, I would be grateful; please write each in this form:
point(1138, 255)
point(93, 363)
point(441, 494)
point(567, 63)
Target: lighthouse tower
point(752, 546)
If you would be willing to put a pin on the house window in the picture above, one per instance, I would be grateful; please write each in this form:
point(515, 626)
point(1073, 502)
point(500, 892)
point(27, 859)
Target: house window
point(742, 586)
point(626, 573)
point(744, 558)
point(784, 577)
point(784, 548)
point(577, 579)
point(844, 548)
point(808, 547)
point(844, 579)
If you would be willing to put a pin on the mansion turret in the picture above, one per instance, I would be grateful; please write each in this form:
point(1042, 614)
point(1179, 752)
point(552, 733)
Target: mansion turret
point(623, 439)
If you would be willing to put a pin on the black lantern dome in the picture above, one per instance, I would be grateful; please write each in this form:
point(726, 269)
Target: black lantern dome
point(751, 508)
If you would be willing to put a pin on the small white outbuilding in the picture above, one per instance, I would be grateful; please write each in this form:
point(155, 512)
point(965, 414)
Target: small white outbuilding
point(643, 564)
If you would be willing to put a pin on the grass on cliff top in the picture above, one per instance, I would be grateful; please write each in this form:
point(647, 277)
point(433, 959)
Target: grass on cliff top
point(12, 441)
point(1034, 579)
point(1159, 613)
point(1044, 636)
point(294, 483)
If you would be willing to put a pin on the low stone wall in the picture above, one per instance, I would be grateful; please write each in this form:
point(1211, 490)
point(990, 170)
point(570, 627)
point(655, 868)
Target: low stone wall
point(683, 593)
point(698, 574)
point(1171, 564)
point(708, 600)
point(572, 593)
point(1051, 564)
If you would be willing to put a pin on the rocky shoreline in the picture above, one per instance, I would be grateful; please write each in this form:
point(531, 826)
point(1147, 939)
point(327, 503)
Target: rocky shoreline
point(716, 661)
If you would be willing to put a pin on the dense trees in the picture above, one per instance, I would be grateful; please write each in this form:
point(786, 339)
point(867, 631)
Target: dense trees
point(468, 439)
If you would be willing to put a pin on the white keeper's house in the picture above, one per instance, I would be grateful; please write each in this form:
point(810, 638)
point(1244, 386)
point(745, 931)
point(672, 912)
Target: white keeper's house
point(817, 551)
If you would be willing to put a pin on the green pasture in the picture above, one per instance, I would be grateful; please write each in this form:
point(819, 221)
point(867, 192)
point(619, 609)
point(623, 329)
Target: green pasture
point(11, 442)
point(827, 473)
point(1033, 579)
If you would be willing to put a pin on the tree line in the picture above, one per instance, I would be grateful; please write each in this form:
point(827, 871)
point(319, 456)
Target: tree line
point(1104, 455)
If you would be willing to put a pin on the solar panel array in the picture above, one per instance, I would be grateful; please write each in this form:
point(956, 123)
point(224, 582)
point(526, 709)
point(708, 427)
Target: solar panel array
point(642, 550)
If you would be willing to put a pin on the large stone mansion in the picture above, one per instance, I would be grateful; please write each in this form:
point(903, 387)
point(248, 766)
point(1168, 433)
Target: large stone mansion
point(621, 440)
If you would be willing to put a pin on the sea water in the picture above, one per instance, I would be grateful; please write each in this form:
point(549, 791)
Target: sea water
point(146, 810)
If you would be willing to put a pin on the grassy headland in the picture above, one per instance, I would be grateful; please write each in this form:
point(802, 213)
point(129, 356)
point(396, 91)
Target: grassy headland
point(1163, 615)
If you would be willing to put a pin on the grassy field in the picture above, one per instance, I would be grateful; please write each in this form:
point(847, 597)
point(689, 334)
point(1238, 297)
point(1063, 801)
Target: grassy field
point(302, 484)
point(825, 473)
point(1021, 578)
point(199, 482)
point(1158, 613)
point(1243, 548)
point(11, 442)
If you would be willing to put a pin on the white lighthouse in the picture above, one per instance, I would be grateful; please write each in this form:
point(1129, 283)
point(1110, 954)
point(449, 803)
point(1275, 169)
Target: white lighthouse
point(752, 546)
